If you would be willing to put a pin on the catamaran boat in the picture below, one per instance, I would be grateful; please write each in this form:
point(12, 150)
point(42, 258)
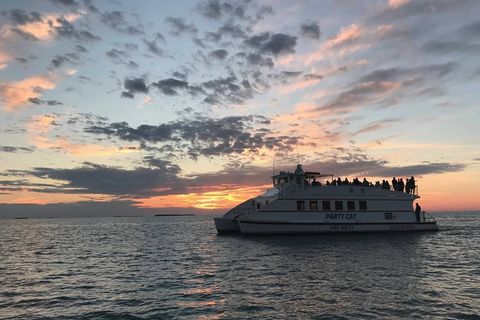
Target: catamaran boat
point(300, 203)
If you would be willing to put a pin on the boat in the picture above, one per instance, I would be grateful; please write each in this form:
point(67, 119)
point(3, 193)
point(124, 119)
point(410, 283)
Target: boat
point(311, 202)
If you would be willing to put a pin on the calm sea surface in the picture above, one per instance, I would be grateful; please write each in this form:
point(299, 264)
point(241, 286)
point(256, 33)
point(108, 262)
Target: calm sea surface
point(178, 268)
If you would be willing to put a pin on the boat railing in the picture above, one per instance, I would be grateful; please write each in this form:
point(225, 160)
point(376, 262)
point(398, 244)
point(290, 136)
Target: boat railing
point(426, 217)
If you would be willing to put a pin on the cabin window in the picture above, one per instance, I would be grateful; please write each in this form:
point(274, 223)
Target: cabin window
point(362, 205)
point(338, 205)
point(388, 216)
point(258, 205)
point(326, 205)
point(350, 205)
point(313, 205)
point(301, 205)
point(266, 202)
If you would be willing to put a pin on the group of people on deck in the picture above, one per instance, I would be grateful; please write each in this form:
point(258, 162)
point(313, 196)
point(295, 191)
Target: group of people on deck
point(407, 186)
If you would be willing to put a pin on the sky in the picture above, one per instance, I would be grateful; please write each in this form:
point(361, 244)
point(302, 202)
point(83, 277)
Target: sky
point(141, 107)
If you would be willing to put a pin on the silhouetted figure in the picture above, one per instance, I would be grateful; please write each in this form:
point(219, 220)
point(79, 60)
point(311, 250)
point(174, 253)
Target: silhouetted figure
point(377, 184)
point(346, 181)
point(418, 209)
point(407, 186)
point(365, 182)
point(394, 184)
point(401, 185)
point(339, 181)
point(412, 184)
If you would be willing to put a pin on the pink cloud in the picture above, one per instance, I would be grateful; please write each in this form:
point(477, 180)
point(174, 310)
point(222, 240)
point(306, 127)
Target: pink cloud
point(16, 94)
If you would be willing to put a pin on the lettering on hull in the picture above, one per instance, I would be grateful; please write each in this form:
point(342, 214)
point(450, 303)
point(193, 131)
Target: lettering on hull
point(341, 216)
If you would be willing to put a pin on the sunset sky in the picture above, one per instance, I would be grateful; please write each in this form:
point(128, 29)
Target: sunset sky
point(118, 107)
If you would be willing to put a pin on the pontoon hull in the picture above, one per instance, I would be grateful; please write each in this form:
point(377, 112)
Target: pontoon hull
point(271, 227)
point(226, 225)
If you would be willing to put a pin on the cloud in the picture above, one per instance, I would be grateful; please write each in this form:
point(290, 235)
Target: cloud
point(180, 27)
point(116, 20)
point(377, 85)
point(10, 149)
point(121, 57)
point(275, 44)
point(203, 136)
point(152, 47)
point(46, 102)
point(310, 30)
point(170, 86)
point(16, 94)
point(401, 9)
point(133, 86)
point(59, 60)
point(219, 54)
point(66, 29)
point(21, 17)
point(374, 126)
point(464, 40)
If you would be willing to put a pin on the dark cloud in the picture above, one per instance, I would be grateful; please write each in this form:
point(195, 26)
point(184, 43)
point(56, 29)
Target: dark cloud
point(121, 57)
point(285, 75)
point(11, 149)
point(59, 60)
point(152, 47)
point(80, 49)
point(231, 30)
point(25, 35)
point(310, 30)
point(411, 9)
point(133, 86)
point(66, 3)
point(275, 44)
point(180, 27)
point(219, 54)
point(380, 84)
point(312, 76)
point(67, 30)
point(211, 9)
point(203, 136)
point(45, 102)
point(116, 20)
point(21, 17)
point(170, 86)
point(256, 59)
point(464, 40)
point(100, 179)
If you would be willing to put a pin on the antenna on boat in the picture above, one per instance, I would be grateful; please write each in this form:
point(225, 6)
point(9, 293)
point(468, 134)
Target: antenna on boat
point(273, 169)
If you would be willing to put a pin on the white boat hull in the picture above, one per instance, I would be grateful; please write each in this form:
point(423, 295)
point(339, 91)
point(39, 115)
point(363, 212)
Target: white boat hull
point(224, 225)
point(270, 227)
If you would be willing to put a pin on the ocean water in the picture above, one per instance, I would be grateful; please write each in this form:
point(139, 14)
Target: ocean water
point(178, 268)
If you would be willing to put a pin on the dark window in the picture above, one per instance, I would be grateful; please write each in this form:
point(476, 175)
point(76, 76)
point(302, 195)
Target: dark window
point(388, 216)
point(313, 205)
point(301, 205)
point(258, 205)
point(253, 203)
point(338, 205)
point(350, 205)
point(266, 202)
point(363, 205)
point(326, 205)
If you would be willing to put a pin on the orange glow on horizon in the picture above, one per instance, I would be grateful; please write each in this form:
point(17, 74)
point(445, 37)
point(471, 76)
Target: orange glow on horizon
point(218, 199)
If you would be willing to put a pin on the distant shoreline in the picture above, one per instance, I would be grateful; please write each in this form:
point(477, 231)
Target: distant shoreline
point(174, 215)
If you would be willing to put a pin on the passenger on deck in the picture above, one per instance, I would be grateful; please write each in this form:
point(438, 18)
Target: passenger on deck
point(339, 181)
point(377, 184)
point(315, 182)
point(346, 181)
point(418, 209)
point(394, 184)
point(401, 185)
point(412, 184)
point(365, 182)
point(407, 185)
